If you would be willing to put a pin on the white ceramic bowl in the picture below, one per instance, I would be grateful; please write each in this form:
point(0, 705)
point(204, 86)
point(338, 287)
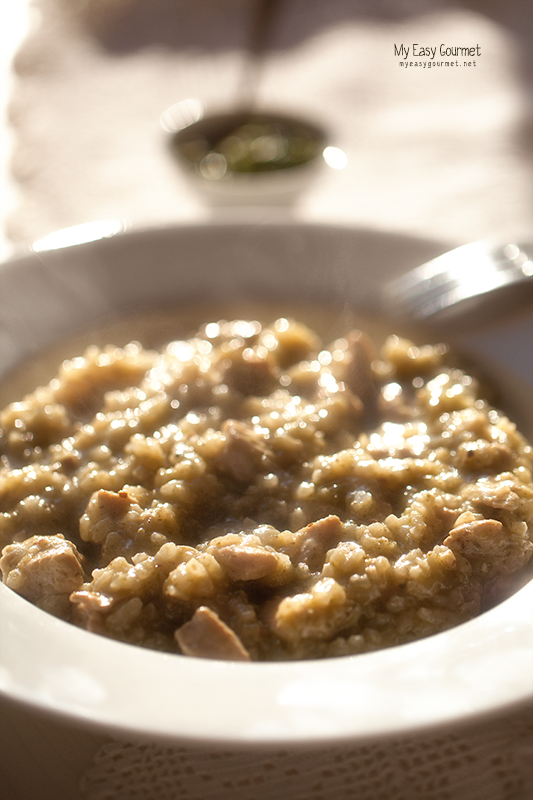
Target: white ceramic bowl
point(479, 668)
point(188, 120)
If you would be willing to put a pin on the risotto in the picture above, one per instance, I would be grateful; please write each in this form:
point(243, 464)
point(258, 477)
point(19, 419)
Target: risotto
point(252, 493)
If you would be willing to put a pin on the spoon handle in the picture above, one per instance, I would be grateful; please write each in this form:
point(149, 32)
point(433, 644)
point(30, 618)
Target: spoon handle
point(264, 15)
point(467, 273)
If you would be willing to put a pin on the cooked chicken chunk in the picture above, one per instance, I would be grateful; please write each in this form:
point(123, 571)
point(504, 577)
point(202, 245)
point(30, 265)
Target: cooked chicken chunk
point(44, 570)
point(206, 636)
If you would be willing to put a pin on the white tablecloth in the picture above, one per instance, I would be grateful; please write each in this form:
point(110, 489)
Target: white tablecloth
point(438, 147)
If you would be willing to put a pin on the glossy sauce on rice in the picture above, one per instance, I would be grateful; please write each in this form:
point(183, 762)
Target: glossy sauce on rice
point(254, 492)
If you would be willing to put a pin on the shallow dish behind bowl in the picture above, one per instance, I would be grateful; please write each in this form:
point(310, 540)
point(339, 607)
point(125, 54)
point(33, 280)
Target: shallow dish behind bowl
point(476, 670)
point(273, 176)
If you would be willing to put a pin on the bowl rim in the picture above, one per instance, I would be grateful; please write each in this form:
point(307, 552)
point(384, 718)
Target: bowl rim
point(478, 669)
point(363, 698)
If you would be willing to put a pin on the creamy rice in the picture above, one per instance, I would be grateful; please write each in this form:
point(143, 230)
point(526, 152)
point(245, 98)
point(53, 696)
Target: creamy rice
point(253, 493)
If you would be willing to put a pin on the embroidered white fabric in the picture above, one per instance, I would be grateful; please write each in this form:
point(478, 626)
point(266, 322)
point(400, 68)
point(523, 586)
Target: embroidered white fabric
point(488, 761)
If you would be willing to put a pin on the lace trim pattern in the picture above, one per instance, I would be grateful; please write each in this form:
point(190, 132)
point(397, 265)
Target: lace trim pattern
point(486, 762)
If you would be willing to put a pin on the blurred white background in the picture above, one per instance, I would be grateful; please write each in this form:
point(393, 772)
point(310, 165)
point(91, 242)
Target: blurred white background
point(13, 25)
point(443, 153)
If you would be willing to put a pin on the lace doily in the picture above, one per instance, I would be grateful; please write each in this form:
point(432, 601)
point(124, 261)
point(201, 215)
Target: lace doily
point(484, 762)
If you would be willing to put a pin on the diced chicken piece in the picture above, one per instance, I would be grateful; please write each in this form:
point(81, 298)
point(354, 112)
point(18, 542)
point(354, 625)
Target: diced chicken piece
point(359, 377)
point(245, 358)
point(43, 569)
point(489, 541)
point(206, 636)
point(250, 371)
point(315, 540)
point(249, 562)
point(476, 537)
point(115, 504)
point(90, 609)
point(245, 452)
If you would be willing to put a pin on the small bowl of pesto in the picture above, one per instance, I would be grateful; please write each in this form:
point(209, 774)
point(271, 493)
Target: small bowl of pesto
point(248, 156)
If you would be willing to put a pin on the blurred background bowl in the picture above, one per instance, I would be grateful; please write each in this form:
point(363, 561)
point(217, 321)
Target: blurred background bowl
point(244, 157)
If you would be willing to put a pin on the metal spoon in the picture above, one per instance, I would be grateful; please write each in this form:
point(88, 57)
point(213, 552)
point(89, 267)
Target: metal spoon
point(264, 16)
point(246, 138)
point(464, 281)
point(192, 111)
